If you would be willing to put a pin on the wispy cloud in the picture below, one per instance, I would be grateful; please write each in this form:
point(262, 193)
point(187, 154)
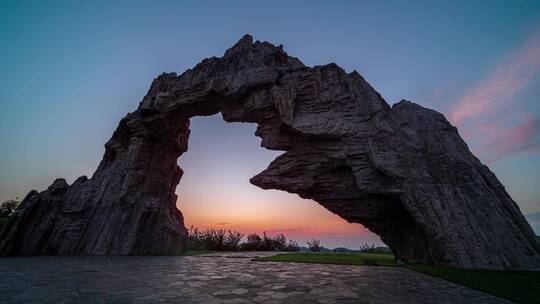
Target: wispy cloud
point(489, 112)
point(502, 83)
point(501, 141)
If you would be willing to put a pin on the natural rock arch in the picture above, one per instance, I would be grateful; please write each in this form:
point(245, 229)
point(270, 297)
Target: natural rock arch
point(401, 171)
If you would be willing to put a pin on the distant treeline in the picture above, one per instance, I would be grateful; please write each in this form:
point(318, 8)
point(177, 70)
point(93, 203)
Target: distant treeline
point(231, 240)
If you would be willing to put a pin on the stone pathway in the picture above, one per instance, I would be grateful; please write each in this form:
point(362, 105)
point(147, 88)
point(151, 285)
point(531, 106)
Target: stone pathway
point(218, 278)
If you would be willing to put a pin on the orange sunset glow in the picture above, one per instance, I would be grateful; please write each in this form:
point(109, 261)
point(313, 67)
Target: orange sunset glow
point(215, 191)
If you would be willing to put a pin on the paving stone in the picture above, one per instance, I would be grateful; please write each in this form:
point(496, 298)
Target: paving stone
point(226, 278)
point(239, 291)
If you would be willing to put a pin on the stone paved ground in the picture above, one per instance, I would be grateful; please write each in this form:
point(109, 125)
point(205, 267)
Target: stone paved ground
point(222, 278)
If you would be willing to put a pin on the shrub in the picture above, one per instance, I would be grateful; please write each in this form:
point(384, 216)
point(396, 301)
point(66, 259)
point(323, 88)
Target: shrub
point(254, 242)
point(367, 249)
point(194, 240)
point(229, 240)
point(279, 242)
point(314, 245)
point(7, 207)
point(232, 240)
point(268, 243)
point(213, 239)
point(292, 246)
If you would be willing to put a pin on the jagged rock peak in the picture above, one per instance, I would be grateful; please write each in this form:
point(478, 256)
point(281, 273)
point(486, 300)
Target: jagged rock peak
point(244, 42)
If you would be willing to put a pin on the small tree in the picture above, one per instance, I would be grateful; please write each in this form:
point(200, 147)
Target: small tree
point(268, 242)
point(280, 242)
point(213, 239)
point(220, 239)
point(292, 246)
point(314, 245)
point(367, 249)
point(194, 241)
point(254, 242)
point(232, 240)
point(7, 207)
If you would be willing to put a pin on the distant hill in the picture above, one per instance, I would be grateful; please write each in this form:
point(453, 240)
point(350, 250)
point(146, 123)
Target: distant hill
point(380, 249)
point(306, 249)
point(344, 250)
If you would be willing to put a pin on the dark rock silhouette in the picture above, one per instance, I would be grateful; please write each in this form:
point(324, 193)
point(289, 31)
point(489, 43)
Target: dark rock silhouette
point(402, 171)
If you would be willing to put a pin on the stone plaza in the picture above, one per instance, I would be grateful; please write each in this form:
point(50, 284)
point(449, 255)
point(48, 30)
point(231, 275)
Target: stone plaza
point(232, 278)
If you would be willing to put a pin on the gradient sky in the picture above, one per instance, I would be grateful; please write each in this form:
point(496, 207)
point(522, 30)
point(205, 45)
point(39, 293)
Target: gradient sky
point(71, 69)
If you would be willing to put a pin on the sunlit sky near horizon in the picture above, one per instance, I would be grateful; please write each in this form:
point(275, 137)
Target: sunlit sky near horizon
point(70, 71)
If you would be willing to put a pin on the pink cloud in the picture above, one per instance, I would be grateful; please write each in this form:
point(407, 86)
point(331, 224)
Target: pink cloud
point(501, 84)
point(502, 141)
point(488, 113)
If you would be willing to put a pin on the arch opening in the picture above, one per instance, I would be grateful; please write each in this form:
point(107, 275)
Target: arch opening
point(215, 192)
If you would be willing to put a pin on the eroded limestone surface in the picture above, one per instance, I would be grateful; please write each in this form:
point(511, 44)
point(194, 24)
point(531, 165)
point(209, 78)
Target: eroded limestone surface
point(402, 171)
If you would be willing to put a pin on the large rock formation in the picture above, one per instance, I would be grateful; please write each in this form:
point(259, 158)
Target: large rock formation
point(401, 171)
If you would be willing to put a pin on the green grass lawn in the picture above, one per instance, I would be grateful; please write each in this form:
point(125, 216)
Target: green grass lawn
point(381, 259)
point(518, 286)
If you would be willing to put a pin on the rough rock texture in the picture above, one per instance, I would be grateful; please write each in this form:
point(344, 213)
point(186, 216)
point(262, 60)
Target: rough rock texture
point(402, 171)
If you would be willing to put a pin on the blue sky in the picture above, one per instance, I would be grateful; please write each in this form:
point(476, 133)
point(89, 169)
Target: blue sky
point(71, 69)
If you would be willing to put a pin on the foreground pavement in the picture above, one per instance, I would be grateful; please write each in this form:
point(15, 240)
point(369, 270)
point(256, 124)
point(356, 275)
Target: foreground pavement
point(217, 278)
